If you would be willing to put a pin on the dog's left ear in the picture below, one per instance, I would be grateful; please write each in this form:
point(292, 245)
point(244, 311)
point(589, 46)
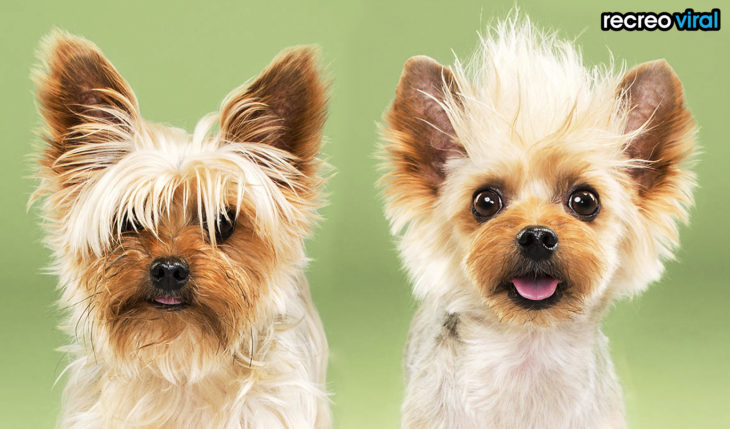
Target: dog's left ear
point(285, 107)
point(653, 94)
point(663, 141)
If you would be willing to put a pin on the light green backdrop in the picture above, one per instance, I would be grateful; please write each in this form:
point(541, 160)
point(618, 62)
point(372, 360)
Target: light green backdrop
point(671, 347)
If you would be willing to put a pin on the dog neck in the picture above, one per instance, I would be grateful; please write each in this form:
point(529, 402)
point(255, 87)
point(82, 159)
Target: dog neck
point(496, 375)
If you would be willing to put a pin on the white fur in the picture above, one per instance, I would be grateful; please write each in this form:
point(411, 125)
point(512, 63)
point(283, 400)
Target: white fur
point(158, 161)
point(487, 374)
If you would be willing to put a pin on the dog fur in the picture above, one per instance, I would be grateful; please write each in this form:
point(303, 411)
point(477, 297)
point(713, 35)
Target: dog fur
point(247, 350)
point(526, 117)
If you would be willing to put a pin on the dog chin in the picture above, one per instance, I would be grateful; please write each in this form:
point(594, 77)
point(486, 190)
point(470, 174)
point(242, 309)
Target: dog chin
point(146, 321)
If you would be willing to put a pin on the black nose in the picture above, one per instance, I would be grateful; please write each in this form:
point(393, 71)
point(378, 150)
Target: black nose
point(537, 242)
point(169, 273)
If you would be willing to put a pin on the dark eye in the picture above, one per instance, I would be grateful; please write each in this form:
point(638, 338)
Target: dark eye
point(225, 225)
point(485, 204)
point(584, 203)
point(129, 225)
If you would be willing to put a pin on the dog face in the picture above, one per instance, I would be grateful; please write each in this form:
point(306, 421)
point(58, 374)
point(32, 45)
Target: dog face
point(171, 246)
point(546, 187)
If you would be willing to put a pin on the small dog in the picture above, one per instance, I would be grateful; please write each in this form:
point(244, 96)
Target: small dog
point(181, 257)
point(530, 193)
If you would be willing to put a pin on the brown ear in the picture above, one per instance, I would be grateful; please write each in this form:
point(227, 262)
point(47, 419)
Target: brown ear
point(285, 107)
point(421, 136)
point(82, 98)
point(653, 94)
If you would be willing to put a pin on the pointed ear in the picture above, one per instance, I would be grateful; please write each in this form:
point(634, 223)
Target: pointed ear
point(663, 141)
point(653, 94)
point(285, 107)
point(420, 136)
point(83, 100)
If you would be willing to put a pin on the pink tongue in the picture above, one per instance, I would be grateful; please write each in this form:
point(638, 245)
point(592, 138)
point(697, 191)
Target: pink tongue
point(168, 301)
point(535, 289)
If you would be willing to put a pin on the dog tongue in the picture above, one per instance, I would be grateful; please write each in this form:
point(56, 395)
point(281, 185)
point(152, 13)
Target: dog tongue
point(535, 289)
point(168, 301)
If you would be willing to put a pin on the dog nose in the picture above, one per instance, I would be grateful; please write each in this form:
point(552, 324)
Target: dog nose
point(537, 242)
point(169, 273)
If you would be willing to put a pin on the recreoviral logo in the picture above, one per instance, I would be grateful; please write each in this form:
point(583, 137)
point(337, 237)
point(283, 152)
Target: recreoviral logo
point(689, 20)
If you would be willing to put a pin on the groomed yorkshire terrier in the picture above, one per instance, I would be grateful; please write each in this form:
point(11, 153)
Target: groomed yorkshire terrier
point(530, 192)
point(181, 257)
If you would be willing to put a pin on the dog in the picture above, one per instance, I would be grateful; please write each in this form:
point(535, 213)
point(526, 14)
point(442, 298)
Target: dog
point(180, 257)
point(529, 192)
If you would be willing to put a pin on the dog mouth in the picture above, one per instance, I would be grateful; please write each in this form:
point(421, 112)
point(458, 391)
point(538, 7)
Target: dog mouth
point(168, 302)
point(535, 289)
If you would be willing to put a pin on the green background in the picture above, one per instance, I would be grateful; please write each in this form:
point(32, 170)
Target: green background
point(671, 346)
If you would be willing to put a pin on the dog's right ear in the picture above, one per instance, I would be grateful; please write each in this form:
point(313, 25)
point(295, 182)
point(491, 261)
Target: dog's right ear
point(420, 136)
point(86, 105)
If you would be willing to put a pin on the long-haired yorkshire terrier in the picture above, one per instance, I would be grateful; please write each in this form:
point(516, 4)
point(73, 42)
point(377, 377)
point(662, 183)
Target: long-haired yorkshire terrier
point(530, 192)
point(181, 257)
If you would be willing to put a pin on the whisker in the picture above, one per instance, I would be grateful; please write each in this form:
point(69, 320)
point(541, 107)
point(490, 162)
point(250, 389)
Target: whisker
point(80, 301)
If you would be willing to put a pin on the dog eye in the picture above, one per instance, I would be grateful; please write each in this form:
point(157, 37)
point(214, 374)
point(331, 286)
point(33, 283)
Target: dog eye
point(485, 204)
point(129, 225)
point(584, 203)
point(225, 225)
